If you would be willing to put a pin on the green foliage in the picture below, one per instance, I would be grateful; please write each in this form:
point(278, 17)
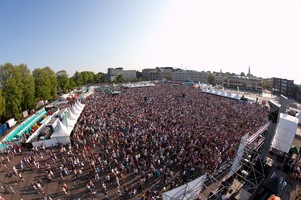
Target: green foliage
point(265, 84)
point(138, 74)
point(12, 90)
point(120, 79)
point(242, 74)
point(99, 78)
point(45, 84)
point(211, 78)
point(2, 103)
point(63, 82)
point(28, 88)
point(78, 78)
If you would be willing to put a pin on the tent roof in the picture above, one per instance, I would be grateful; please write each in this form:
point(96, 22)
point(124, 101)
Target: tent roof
point(66, 121)
point(74, 111)
point(60, 131)
point(72, 116)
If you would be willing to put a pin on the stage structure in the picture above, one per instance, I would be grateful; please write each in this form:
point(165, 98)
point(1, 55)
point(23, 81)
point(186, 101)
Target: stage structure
point(247, 172)
point(245, 175)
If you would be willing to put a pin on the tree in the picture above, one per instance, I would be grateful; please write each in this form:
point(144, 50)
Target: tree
point(99, 77)
point(45, 84)
point(88, 77)
point(71, 84)
point(78, 79)
point(53, 82)
point(120, 79)
point(211, 78)
point(242, 74)
point(62, 81)
point(266, 84)
point(2, 104)
point(28, 88)
point(12, 90)
point(138, 75)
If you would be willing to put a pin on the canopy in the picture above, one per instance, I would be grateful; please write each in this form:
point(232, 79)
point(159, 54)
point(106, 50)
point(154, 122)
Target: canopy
point(79, 104)
point(61, 131)
point(74, 111)
point(78, 108)
point(68, 122)
point(72, 116)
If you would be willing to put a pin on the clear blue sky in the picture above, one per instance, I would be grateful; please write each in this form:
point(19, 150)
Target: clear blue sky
point(135, 34)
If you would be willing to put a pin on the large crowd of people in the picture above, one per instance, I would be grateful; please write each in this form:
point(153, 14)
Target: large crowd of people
point(144, 141)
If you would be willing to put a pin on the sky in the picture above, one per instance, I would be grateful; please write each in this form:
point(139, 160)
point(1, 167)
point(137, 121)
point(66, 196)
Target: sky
point(78, 35)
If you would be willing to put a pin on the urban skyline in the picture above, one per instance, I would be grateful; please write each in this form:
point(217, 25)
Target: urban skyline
point(198, 35)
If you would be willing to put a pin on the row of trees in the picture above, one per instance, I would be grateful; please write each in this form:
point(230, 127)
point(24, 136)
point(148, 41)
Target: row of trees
point(22, 90)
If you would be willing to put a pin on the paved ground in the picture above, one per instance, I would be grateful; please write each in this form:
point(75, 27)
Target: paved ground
point(24, 190)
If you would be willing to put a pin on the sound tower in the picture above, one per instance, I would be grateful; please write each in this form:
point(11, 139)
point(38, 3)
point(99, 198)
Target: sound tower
point(273, 116)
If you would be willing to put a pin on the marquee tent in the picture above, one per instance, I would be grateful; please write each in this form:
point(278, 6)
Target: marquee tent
point(61, 133)
point(223, 93)
point(78, 108)
point(74, 111)
point(237, 96)
point(72, 116)
point(79, 104)
point(229, 95)
point(68, 122)
point(285, 132)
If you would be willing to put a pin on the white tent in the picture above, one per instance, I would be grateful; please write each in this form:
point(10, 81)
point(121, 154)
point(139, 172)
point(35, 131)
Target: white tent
point(237, 96)
point(72, 116)
point(218, 92)
point(79, 104)
point(285, 132)
point(68, 122)
point(61, 133)
point(229, 95)
point(78, 108)
point(74, 111)
point(223, 93)
point(187, 191)
point(211, 91)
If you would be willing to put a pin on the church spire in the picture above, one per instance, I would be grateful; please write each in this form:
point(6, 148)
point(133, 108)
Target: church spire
point(249, 72)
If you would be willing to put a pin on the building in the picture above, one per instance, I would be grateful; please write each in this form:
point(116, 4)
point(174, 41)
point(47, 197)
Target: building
point(189, 75)
point(243, 83)
point(219, 78)
point(113, 73)
point(283, 86)
point(297, 92)
point(157, 73)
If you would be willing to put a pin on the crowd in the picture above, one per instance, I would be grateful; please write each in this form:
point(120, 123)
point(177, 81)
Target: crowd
point(145, 141)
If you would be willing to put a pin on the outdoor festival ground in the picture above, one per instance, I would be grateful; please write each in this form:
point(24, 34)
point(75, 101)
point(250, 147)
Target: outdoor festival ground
point(77, 187)
point(25, 191)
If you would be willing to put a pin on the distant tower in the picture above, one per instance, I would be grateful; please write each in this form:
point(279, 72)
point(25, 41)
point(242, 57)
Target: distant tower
point(249, 72)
